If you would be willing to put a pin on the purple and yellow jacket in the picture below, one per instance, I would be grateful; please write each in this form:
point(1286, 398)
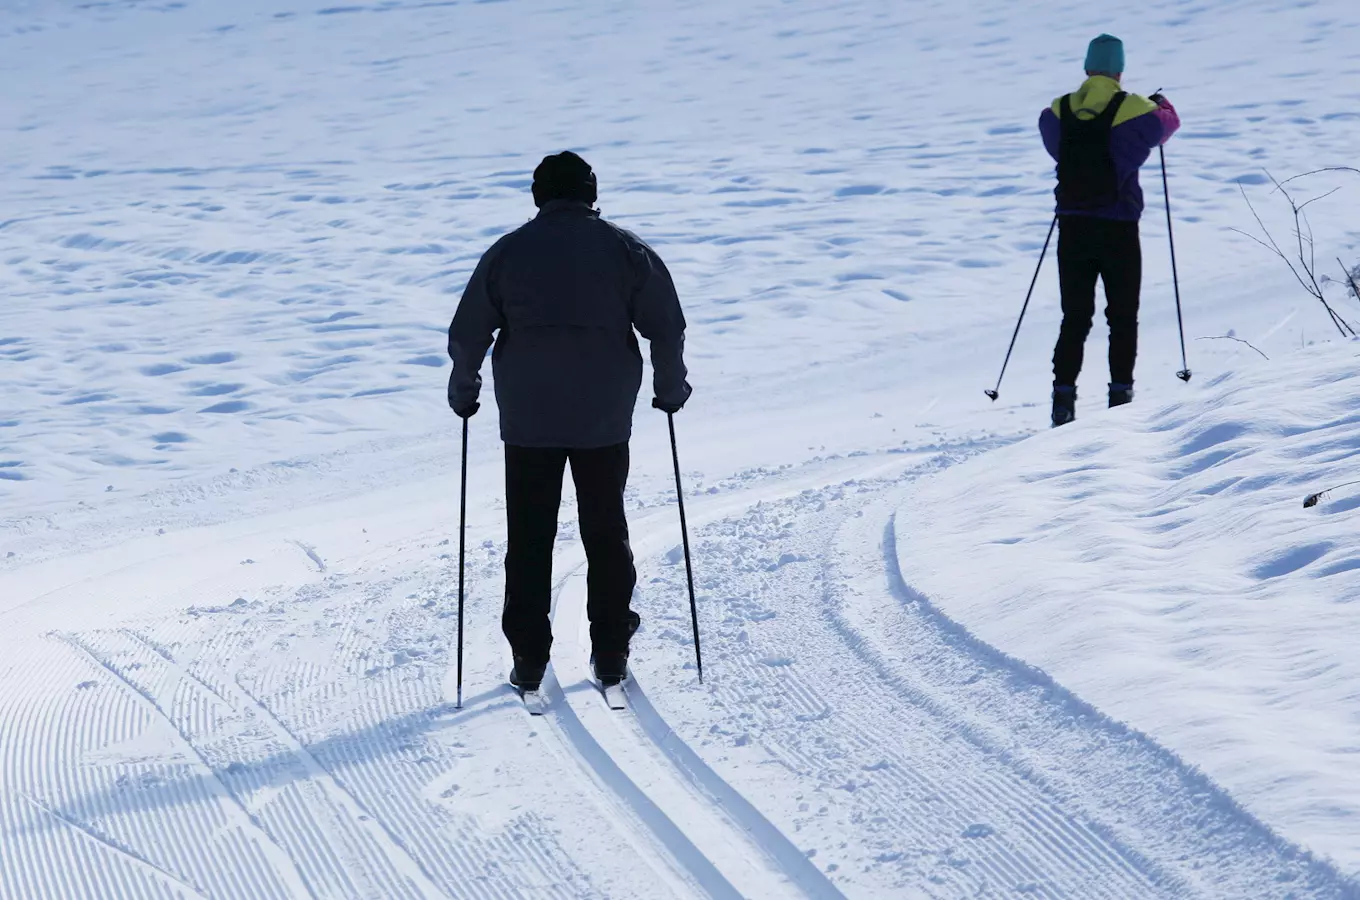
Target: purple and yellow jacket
point(1139, 127)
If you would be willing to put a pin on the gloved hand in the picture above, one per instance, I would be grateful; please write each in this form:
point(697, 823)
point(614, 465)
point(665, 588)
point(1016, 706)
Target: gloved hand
point(1160, 100)
point(465, 411)
point(667, 408)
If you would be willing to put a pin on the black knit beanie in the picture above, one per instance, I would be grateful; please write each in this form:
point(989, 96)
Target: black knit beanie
point(564, 176)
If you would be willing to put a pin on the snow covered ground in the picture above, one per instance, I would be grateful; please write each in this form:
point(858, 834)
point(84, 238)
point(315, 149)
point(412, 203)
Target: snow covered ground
point(231, 237)
point(1159, 562)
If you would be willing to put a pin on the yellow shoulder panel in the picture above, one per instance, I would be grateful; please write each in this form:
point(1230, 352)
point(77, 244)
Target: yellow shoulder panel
point(1133, 107)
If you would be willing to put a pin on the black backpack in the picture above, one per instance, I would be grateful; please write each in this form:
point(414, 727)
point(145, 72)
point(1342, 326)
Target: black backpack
point(1087, 179)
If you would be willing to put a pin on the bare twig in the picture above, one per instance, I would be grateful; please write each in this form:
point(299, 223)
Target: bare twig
point(1321, 171)
point(1316, 199)
point(1350, 278)
point(1305, 272)
point(1229, 337)
point(1312, 499)
point(1272, 246)
point(1309, 263)
point(1248, 234)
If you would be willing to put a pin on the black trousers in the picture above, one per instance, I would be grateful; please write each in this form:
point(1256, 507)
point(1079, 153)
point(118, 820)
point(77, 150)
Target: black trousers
point(1091, 248)
point(533, 493)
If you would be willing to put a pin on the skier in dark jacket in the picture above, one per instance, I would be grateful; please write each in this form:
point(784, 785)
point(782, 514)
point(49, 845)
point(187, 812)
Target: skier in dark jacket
point(1100, 136)
point(565, 292)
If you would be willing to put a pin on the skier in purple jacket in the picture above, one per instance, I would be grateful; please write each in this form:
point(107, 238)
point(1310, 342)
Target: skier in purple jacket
point(1100, 136)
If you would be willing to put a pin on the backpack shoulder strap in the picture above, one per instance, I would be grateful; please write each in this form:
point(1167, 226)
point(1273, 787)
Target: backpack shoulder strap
point(1065, 108)
point(1112, 109)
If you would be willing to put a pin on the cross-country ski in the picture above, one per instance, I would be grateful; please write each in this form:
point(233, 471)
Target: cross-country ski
point(614, 696)
point(534, 702)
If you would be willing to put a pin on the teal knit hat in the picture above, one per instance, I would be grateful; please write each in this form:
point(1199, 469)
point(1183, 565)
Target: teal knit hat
point(1106, 54)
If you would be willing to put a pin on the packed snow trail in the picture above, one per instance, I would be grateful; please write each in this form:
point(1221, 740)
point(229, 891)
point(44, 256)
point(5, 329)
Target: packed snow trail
point(921, 758)
point(298, 743)
point(850, 741)
point(1164, 551)
point(740, 853)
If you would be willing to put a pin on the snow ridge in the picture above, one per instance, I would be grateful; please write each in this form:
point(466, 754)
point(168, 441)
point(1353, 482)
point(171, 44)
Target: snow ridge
point(1189, 568)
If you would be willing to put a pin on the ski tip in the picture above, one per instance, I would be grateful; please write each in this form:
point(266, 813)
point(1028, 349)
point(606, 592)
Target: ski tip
point(535, 702)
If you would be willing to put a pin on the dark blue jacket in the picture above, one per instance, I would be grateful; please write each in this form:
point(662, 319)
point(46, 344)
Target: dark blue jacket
point(565, 291)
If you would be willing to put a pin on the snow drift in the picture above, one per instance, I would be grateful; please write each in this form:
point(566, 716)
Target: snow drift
point(1158, 561)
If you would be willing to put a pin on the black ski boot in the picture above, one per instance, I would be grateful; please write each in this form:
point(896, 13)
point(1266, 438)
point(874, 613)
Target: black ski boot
point(1064, 404)
point(609, 668)
point(612, 668)
point(526, 676)
point(1120, 394)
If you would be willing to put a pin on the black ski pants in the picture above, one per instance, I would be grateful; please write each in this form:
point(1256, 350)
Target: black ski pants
point(533, 494)
point(1091, 248)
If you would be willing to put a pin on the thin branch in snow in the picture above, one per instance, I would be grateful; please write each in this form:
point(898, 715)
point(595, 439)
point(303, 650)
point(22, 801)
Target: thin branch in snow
point(1247, 234)
point(1321, 171)
point(1350, 277)
point(1305, 271)
point(1229, 337)
point(1316, 199)
point(1301, 225)
point(1312, 499)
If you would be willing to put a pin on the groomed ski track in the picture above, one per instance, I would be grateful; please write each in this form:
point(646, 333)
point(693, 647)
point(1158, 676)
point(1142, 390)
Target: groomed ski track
point(850, 741)
point(724, 846)
point(1052, 845)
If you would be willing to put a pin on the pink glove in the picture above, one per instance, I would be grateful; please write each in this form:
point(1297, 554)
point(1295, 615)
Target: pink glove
point(1171, 120)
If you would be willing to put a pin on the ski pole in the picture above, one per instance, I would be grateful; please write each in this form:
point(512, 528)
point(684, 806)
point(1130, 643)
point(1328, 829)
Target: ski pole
point(994, 394)
point(1184, 373)
point(462, 533)
point(684, 537)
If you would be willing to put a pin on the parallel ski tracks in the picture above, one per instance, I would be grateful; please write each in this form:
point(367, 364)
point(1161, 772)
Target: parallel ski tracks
point(359, 818)
point(282, 876)
point(712, 836)
point(725, 852)
point(242, 805)
point(178, 886)
point(333, 824)
point(952, 789)
point(343, 824)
